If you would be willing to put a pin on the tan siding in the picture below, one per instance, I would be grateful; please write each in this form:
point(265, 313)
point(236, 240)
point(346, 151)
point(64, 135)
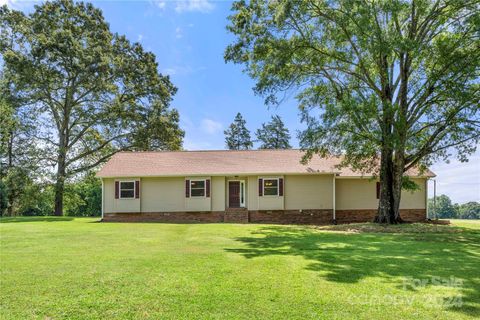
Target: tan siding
point(108, 195)
point(308, 192)
point(197, 203)
point(163, 194)
point(416, 199)
point(252, 193)
point(269, 202)
point(119, 205)
point(358, 194)
point(218, 193)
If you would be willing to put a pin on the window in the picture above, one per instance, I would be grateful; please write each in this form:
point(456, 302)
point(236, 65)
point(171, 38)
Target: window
point(127, 189)
point(197, 188)
point(270, 187)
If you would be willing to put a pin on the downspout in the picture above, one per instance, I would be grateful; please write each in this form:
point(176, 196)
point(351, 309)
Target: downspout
point(102, 198)
point(426, 199)
point(435, 199)
point(333, 193)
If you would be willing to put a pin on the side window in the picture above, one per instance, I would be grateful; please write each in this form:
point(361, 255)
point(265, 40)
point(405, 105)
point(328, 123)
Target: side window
point(270, 187)
point(197, 188)
point(127, 189)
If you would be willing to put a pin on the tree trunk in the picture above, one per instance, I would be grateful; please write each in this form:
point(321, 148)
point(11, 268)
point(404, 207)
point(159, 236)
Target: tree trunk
point(10, 193)
point(386, 212)
point(399, 164)
point(59, 188)
point(60, 183)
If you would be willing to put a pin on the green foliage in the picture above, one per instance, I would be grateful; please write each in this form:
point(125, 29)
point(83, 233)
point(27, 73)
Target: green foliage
point(37, 200)
point(409, 184)
point(92, 92)
point(396, 81)
point(274, 135)
point(3, 198)
point(84, 197)
point(445, 209)
point(237, 136)
point(469, 210)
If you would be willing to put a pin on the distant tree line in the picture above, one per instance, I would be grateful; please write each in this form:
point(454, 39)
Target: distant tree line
point(445, 209)
point(272, 135)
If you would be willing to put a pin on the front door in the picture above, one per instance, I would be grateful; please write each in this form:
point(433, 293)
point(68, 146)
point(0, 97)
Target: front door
point(234, 194)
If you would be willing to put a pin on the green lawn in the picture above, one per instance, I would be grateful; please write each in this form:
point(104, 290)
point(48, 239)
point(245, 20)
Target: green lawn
point(62, 268)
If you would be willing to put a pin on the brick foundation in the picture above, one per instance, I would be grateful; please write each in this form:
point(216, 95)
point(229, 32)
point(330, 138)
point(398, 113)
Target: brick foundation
point(180, 217)
point(315, 217)
point(239, 215)
point(352, 216)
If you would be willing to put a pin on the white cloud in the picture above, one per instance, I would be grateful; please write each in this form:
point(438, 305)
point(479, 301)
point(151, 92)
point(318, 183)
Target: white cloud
point(182, 70)
point(161, 4)
point(7, 2)
point(18, 5)
point(203, 6)
point(460, 181)
point(178, 33)
point(140, 37)
point(211, 126)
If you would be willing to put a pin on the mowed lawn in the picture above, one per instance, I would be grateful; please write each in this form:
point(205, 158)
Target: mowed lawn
point(62, 268)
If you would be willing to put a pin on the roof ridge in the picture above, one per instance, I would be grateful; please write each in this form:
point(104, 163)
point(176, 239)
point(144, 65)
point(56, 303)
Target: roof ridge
point(216, 150)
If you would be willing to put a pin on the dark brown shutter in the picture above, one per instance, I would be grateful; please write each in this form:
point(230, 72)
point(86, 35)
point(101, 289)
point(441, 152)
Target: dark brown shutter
point(117, 189)
point(280, 187)
point(207, 187)
point(187, 188)
point(137, 189)
point(260, 187)
point(378, 190)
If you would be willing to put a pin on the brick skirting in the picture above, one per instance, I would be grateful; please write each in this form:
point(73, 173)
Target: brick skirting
point(208, 216)
point(352, 216)
point(315, 217)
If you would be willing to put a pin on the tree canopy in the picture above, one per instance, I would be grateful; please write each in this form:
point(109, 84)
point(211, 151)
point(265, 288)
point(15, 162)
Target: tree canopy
point(274, 135)
point(387, 85)
point(94, 91)
point(237, 136)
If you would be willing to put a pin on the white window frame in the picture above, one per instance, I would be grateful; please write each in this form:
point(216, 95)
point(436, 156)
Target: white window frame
point(120, 189)
point(204, 188)
point(263, 187)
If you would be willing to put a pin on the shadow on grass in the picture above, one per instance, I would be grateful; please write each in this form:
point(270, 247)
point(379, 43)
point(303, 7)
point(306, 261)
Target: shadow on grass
point(34, 219)
point(349, 258)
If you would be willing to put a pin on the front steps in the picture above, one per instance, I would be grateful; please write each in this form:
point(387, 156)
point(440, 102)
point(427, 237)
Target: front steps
point(236, 215)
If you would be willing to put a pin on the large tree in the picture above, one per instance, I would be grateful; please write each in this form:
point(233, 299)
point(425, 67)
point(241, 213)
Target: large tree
point(274, 134)
point(237, 136)
point(389, 85)
point(95, 92)
point(20, 159)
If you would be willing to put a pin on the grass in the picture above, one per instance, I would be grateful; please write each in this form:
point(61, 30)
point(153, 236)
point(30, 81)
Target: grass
point(62, 268)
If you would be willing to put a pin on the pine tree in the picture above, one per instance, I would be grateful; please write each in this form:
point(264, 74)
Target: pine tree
point(237, 136)
point(274, 135)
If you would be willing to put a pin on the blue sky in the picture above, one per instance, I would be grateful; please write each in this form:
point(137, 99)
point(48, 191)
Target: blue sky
point(189, 38)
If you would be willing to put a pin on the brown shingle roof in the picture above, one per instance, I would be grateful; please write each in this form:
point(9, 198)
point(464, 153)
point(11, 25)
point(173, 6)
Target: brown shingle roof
point(221, 162)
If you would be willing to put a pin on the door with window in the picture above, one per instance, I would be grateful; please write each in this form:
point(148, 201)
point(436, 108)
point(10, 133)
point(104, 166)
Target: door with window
point(236, 194)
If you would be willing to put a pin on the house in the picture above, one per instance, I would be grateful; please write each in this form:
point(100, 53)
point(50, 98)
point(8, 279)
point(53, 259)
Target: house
point(259, 186)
